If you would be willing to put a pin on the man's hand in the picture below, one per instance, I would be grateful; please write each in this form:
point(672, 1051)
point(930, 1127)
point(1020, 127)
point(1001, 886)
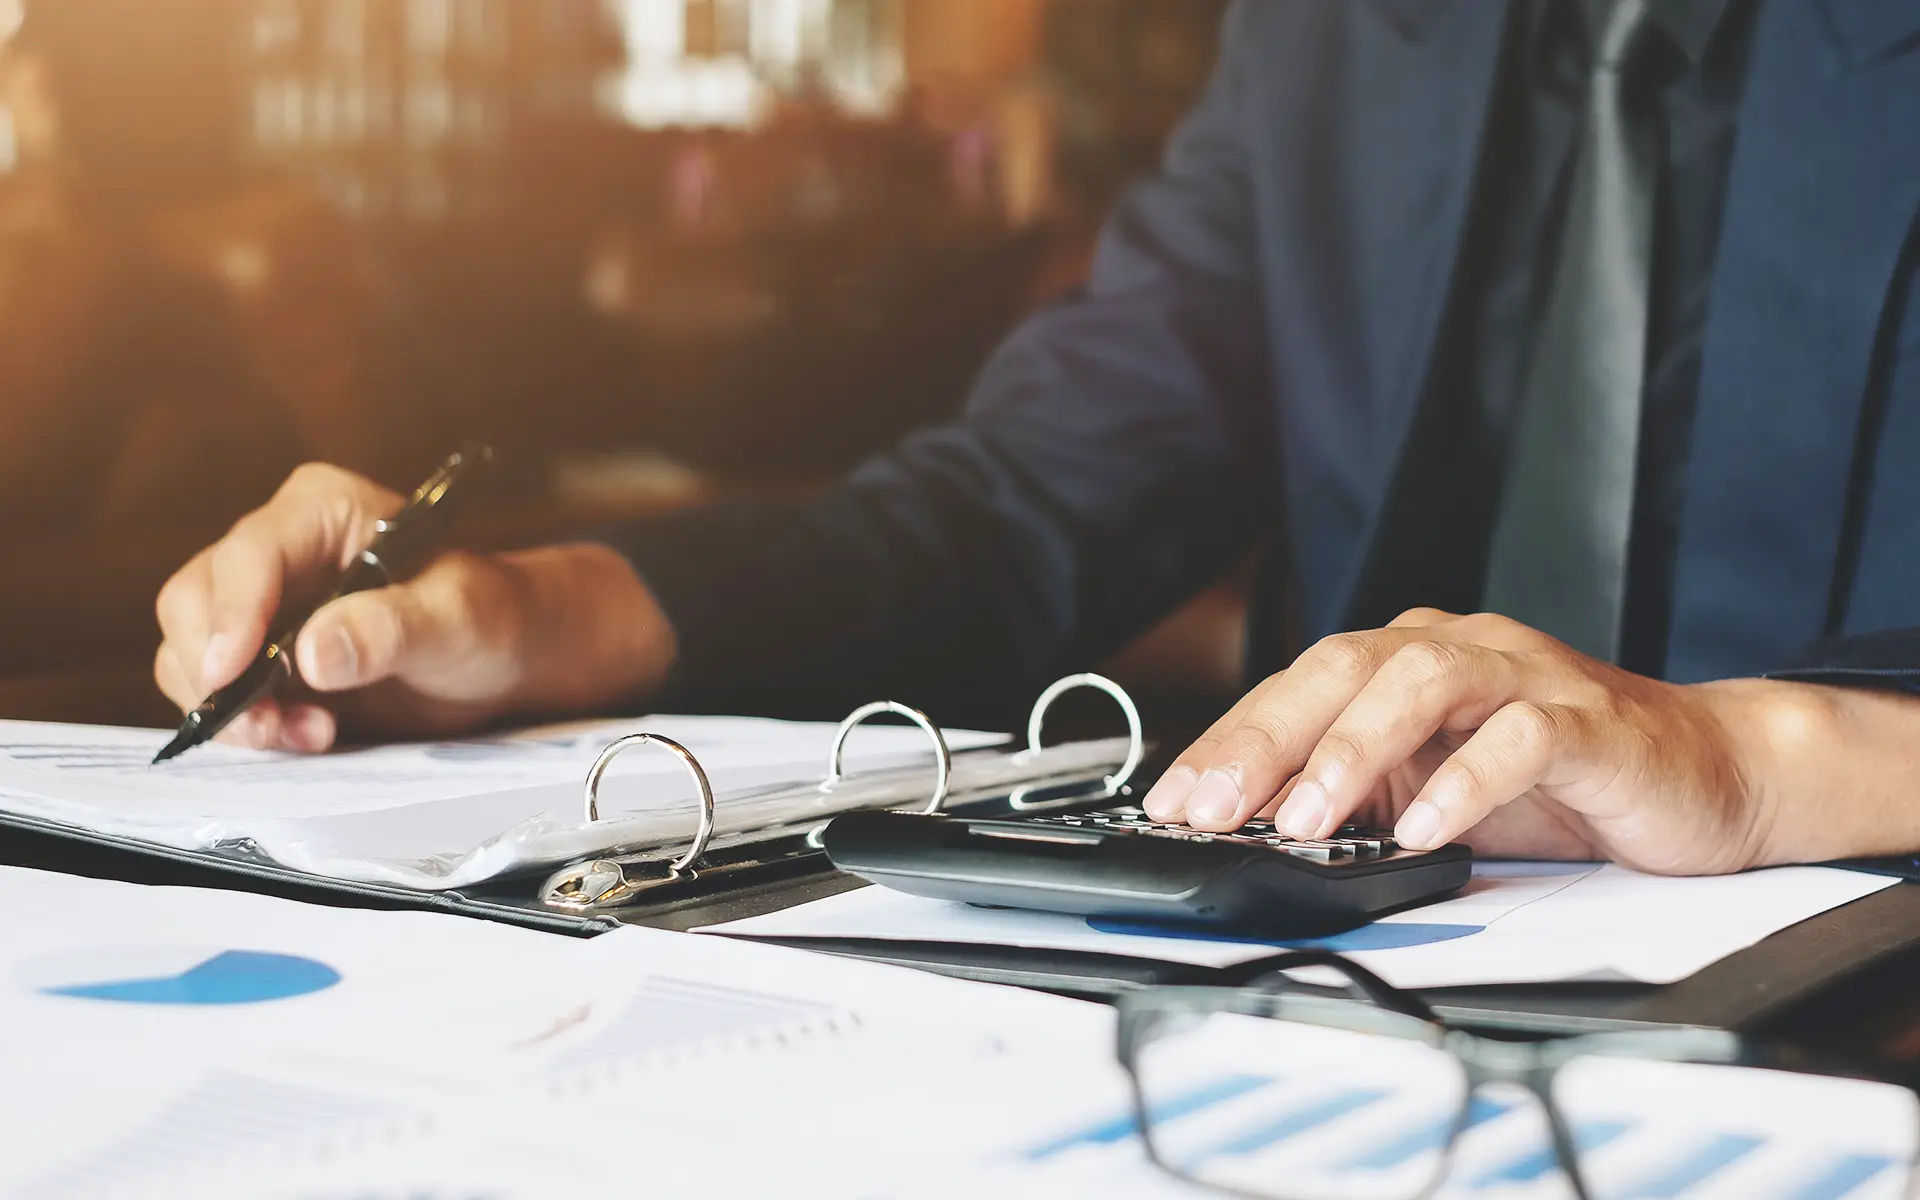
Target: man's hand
point(1480, 729)
point(469, 640)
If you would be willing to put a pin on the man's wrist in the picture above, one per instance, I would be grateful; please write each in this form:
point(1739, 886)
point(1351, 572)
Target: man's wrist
point(591, 635)
point(1828, 773)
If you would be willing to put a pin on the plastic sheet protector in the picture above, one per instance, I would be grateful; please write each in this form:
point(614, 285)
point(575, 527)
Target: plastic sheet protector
point(442, 815)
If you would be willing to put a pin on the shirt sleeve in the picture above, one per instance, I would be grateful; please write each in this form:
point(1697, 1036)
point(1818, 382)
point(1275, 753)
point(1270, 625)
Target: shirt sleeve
point(1110, 462)
point(1888, 660)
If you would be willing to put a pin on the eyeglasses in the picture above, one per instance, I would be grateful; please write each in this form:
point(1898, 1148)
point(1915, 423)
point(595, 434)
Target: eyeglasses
point(1256, 1092)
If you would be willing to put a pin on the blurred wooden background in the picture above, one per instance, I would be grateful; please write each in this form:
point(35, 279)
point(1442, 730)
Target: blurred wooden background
point(655, 250)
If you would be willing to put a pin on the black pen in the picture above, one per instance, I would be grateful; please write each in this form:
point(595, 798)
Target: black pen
point(401, 544)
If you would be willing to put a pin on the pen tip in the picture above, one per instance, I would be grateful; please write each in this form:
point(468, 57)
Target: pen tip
point(172, 749)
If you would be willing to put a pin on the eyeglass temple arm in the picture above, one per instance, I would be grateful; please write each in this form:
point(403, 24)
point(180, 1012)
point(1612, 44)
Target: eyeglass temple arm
point(1266, 974)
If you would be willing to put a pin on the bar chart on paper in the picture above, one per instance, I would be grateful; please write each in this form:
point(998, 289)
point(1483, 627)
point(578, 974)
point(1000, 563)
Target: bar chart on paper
point(160, 1137)
point(1326, 1136)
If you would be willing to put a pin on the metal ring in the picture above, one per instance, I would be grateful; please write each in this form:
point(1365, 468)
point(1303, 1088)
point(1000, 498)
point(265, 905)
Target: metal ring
point(701, 836)
point(943, 758)
point(1136, 735)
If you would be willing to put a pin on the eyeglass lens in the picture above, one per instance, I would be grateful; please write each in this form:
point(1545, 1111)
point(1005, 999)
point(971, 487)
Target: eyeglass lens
point(1294, 1111)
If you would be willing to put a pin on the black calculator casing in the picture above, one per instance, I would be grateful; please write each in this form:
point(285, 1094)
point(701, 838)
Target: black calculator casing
point(1084, 866)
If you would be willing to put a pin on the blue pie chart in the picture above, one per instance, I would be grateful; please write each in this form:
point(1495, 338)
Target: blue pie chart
point(179, 977)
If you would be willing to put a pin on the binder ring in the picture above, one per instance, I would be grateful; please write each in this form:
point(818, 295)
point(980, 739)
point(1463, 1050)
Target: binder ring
point(599, 768)
point(942, 760)
point(1136, 735)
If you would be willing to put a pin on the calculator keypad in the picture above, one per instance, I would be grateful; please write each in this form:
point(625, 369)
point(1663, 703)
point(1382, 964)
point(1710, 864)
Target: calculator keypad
point(1349, 843)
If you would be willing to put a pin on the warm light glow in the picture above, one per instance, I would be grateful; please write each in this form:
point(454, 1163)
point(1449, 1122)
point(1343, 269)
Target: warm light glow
point(848, 48)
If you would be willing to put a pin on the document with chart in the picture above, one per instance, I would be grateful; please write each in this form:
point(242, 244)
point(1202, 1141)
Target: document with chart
point(178, 1042)
point(154, 1039)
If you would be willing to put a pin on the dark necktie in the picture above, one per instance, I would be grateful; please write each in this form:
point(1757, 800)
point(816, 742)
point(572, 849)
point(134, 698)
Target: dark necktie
point(1558, 559)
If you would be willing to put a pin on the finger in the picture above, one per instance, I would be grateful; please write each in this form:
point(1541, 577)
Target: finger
point(1517, 749)
point(444, 624)
point(173, 680)
point(1268, 810)
point(183, 608)
point(267, 725)
point(1269, 746)
point(1424, 687)
point(258, 728)
point(308, 728)
point(1423, 618)
point(317, 519)
point(1167, 800)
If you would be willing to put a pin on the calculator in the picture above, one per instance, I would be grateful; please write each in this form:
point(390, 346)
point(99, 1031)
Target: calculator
point(1119, 865)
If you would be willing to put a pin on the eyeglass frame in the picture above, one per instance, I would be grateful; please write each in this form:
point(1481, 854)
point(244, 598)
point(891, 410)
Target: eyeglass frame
point(1532, 1065)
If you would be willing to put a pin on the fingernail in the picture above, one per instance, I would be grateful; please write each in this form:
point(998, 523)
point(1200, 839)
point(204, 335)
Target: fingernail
point(336, 660)
point(1419, 827)
point(213, 663)
point(1304, 812)
point(1167, 799)
point(1215, 800)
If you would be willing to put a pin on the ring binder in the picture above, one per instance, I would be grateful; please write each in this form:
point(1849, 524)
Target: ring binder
point(704, 833)
point(603, 882)
point(1042, 782)
point(943, 757)
point(1036, 722)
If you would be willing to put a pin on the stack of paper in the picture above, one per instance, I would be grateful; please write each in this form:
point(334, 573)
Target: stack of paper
point(444, 814)
point(163, 1042)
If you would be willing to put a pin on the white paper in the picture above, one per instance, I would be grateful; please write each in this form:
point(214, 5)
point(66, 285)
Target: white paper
point(1514, 923)
point(895, 1109)
point(429, 815)
point(117, 1082)
point(455, 1058)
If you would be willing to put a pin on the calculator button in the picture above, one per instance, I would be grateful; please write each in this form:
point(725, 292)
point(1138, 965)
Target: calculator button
point(1318, 852)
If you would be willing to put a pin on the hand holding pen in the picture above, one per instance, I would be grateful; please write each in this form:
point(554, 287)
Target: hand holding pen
point(401, 543)
point(461, 641)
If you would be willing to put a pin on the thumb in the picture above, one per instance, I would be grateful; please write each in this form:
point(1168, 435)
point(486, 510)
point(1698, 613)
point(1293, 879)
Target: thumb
point(446, 624)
